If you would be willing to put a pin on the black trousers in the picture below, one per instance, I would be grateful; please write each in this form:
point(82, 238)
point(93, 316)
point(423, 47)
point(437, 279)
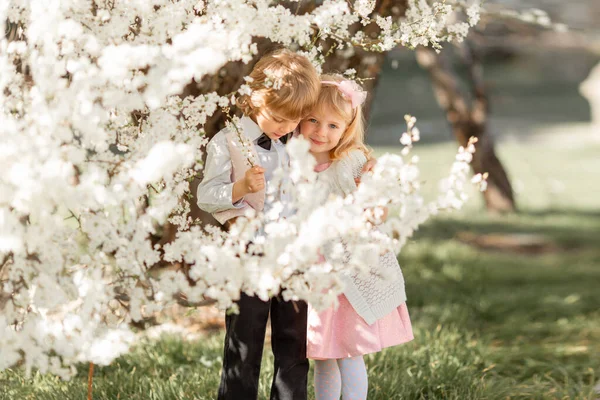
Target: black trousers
point(244, 341)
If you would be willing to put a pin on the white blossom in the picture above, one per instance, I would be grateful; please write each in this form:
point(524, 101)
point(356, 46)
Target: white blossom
point(163, 159)
point(473, 13)
point(364, 7)
point(99, 146)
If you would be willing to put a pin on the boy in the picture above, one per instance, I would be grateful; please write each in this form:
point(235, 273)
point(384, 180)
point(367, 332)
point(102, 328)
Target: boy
point(228, 189)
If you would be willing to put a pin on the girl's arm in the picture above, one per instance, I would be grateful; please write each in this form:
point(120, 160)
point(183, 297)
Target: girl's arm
point(375, 215)
point(369, 165)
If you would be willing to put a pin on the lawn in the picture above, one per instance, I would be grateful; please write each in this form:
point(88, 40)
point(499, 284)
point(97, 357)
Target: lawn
point(488, 324)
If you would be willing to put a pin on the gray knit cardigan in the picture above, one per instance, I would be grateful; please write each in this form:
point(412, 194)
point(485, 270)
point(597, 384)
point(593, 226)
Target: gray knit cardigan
point(372, 296)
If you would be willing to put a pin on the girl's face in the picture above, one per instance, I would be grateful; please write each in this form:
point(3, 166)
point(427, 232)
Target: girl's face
point(323, 128)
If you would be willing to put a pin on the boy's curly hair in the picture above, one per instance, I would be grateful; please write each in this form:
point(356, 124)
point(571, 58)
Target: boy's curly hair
point(282, 82)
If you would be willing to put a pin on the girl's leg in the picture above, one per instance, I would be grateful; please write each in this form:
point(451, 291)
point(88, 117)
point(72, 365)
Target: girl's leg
point(328, 384)
point(354, 378)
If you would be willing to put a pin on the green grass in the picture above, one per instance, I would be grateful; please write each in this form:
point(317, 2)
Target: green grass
point(488, 324)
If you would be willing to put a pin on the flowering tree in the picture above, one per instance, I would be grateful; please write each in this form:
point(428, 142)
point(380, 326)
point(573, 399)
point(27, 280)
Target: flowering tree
point(99, 141)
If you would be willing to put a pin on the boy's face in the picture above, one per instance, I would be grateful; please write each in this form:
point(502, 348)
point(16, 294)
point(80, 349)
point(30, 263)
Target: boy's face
point(323, 129)
point(273, 125)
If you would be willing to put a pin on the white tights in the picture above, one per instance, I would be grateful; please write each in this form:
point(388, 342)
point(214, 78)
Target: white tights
point(345, 376)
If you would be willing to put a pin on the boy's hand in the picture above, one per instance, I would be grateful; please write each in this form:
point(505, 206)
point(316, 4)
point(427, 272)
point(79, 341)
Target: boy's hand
point(368, 167)
point(254, 180)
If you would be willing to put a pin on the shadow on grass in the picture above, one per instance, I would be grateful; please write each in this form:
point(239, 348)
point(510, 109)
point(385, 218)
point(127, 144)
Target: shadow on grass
point(570, 229)
point(553, 212)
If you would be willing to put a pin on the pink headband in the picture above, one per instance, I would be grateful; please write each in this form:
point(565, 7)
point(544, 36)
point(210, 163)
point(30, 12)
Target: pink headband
point(350, 90)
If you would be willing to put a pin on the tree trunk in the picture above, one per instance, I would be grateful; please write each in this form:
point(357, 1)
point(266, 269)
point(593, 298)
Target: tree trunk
point(470, 118)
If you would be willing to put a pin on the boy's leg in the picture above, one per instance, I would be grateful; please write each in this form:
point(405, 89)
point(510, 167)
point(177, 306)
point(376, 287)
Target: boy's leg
point(244, 340)
point(288, 341)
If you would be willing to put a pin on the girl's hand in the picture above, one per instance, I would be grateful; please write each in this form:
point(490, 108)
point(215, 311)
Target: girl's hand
point(384, 213)
point(377, 215)
point(368, 167)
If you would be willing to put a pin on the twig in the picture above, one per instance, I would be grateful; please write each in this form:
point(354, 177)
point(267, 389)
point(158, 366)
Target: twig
point(5, 262)
point(245, 143)
point(90, 381)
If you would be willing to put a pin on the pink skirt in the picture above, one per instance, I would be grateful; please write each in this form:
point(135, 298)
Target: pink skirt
point(342, 333)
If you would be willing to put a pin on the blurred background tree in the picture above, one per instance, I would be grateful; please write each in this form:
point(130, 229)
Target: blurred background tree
point(515, 72)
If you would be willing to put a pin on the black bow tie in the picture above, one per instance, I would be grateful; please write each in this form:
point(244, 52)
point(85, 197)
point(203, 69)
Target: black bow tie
point(265, 142)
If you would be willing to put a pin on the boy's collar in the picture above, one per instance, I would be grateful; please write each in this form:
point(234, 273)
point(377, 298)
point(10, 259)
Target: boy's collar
point(251, 128)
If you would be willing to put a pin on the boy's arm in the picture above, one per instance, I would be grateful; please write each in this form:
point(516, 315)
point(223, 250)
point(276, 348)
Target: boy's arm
point(216, 189)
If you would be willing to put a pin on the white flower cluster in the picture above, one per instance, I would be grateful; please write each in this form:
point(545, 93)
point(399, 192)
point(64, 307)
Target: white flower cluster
point(97, 150)
point(395, 184)
point(424, 24)
point(364, 8)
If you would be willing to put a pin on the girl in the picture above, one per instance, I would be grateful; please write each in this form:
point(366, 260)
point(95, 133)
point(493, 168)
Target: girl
point(372, 313)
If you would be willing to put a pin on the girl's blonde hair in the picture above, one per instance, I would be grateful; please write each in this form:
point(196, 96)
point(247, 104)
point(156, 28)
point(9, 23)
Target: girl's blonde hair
point(283, 82)
point(333, 99)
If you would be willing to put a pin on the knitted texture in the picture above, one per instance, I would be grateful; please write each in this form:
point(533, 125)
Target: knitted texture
point(377, 293)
